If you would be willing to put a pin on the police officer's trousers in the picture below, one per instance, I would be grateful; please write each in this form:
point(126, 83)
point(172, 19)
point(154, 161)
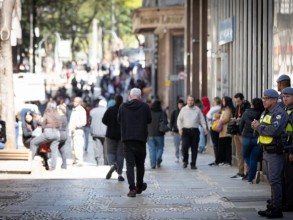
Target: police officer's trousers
point(274, 163)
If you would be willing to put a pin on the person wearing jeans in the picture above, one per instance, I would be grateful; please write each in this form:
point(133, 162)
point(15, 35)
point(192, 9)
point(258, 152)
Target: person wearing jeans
point(251, 153)
point(155, 136)
point(156, 149)
point(51, 134)
point(250, 149)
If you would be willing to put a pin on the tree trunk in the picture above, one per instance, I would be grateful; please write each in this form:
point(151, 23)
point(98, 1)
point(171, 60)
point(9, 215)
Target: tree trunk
point(7, 113)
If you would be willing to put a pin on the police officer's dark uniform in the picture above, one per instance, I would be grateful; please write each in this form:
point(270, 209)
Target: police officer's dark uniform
point(288, 157)
point(270, 128)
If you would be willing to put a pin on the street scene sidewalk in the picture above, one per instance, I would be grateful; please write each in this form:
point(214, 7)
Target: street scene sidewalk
point(172, 193)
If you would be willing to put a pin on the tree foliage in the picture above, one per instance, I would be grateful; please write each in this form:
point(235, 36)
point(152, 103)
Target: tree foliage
point(72, 19)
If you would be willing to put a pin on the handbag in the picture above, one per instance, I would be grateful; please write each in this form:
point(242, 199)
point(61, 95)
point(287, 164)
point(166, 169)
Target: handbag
point(217, 126)
point(233, 128)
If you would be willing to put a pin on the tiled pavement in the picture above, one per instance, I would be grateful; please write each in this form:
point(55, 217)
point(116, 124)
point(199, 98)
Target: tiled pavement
point(172, 193)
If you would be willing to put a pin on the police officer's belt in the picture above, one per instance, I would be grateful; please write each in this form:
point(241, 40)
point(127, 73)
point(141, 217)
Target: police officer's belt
point(272, 148)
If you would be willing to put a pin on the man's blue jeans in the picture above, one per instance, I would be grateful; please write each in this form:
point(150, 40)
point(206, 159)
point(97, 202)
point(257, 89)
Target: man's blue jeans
point(251, 152)
point(156, 149)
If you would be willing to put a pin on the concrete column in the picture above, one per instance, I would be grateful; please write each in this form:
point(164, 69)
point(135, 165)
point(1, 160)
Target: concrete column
point(187, 54)
point(196, 47)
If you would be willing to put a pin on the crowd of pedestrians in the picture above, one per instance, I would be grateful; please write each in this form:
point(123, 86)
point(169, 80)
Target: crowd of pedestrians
point(260, 130)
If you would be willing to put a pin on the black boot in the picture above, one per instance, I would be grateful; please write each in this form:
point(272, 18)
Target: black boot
point(274, 213)
point(263, 213)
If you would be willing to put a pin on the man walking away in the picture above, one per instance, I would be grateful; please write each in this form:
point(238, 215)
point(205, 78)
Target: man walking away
point(134, 136)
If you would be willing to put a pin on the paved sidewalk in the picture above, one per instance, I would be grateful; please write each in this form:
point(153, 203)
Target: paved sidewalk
point(172, 193)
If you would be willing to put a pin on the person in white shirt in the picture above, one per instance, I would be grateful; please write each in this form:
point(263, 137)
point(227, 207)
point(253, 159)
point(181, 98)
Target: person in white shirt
point(76, 123)
point(189, 118)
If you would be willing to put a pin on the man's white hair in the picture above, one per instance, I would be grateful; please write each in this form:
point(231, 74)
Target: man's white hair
point(135, 92)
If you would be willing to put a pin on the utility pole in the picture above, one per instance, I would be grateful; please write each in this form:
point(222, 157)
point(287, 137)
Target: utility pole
point(34, 34)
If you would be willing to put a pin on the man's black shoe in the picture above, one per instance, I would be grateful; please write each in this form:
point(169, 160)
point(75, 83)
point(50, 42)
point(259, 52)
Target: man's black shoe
point(213, 164)
point(121, 178)
point(109, 174)
point(274, 213)
point(143, 188)
point(263, 213)
point(184, 165)
point(193, 167)
point(245, 177)
point(132, 193)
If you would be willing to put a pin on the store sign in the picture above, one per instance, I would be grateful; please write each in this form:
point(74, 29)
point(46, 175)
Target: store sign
point(226, 31)
point(156, 18)
point(164, 19)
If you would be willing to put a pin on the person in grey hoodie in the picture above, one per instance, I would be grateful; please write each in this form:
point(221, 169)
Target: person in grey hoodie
point(134, 117)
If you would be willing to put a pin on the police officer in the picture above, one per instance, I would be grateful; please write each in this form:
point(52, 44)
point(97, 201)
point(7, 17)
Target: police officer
point(288, 156)
point(283, 82)
point(270, 128)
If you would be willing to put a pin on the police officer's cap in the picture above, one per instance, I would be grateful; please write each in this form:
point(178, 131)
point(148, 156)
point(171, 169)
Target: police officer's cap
point(271, 93)
point(288, 91)
point(283, 78)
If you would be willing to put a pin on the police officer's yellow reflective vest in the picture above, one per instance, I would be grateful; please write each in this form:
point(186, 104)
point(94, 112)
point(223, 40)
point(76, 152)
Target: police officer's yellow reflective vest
point(266, 118)
point(289, 127)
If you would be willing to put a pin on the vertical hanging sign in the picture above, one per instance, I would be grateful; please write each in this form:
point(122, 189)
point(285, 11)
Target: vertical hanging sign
point(226, 31)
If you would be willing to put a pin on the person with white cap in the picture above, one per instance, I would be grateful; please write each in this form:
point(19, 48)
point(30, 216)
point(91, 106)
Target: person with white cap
point(288, 155)
point(283, 82)
point(270, 128)
point(134, 117)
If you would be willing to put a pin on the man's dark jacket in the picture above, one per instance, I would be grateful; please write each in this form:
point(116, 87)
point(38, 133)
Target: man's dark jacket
point(134, 116)
point(242, 107)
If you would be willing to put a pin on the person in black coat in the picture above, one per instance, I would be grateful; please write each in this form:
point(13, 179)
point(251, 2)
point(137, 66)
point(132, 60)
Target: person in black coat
point(113, 139)
point(134, 117)
point(250, 149)
point(174, 129)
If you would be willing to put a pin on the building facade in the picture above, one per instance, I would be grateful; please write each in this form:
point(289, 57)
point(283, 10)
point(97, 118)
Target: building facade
point(162, 23)
point(215, 47)
point(249, 45)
